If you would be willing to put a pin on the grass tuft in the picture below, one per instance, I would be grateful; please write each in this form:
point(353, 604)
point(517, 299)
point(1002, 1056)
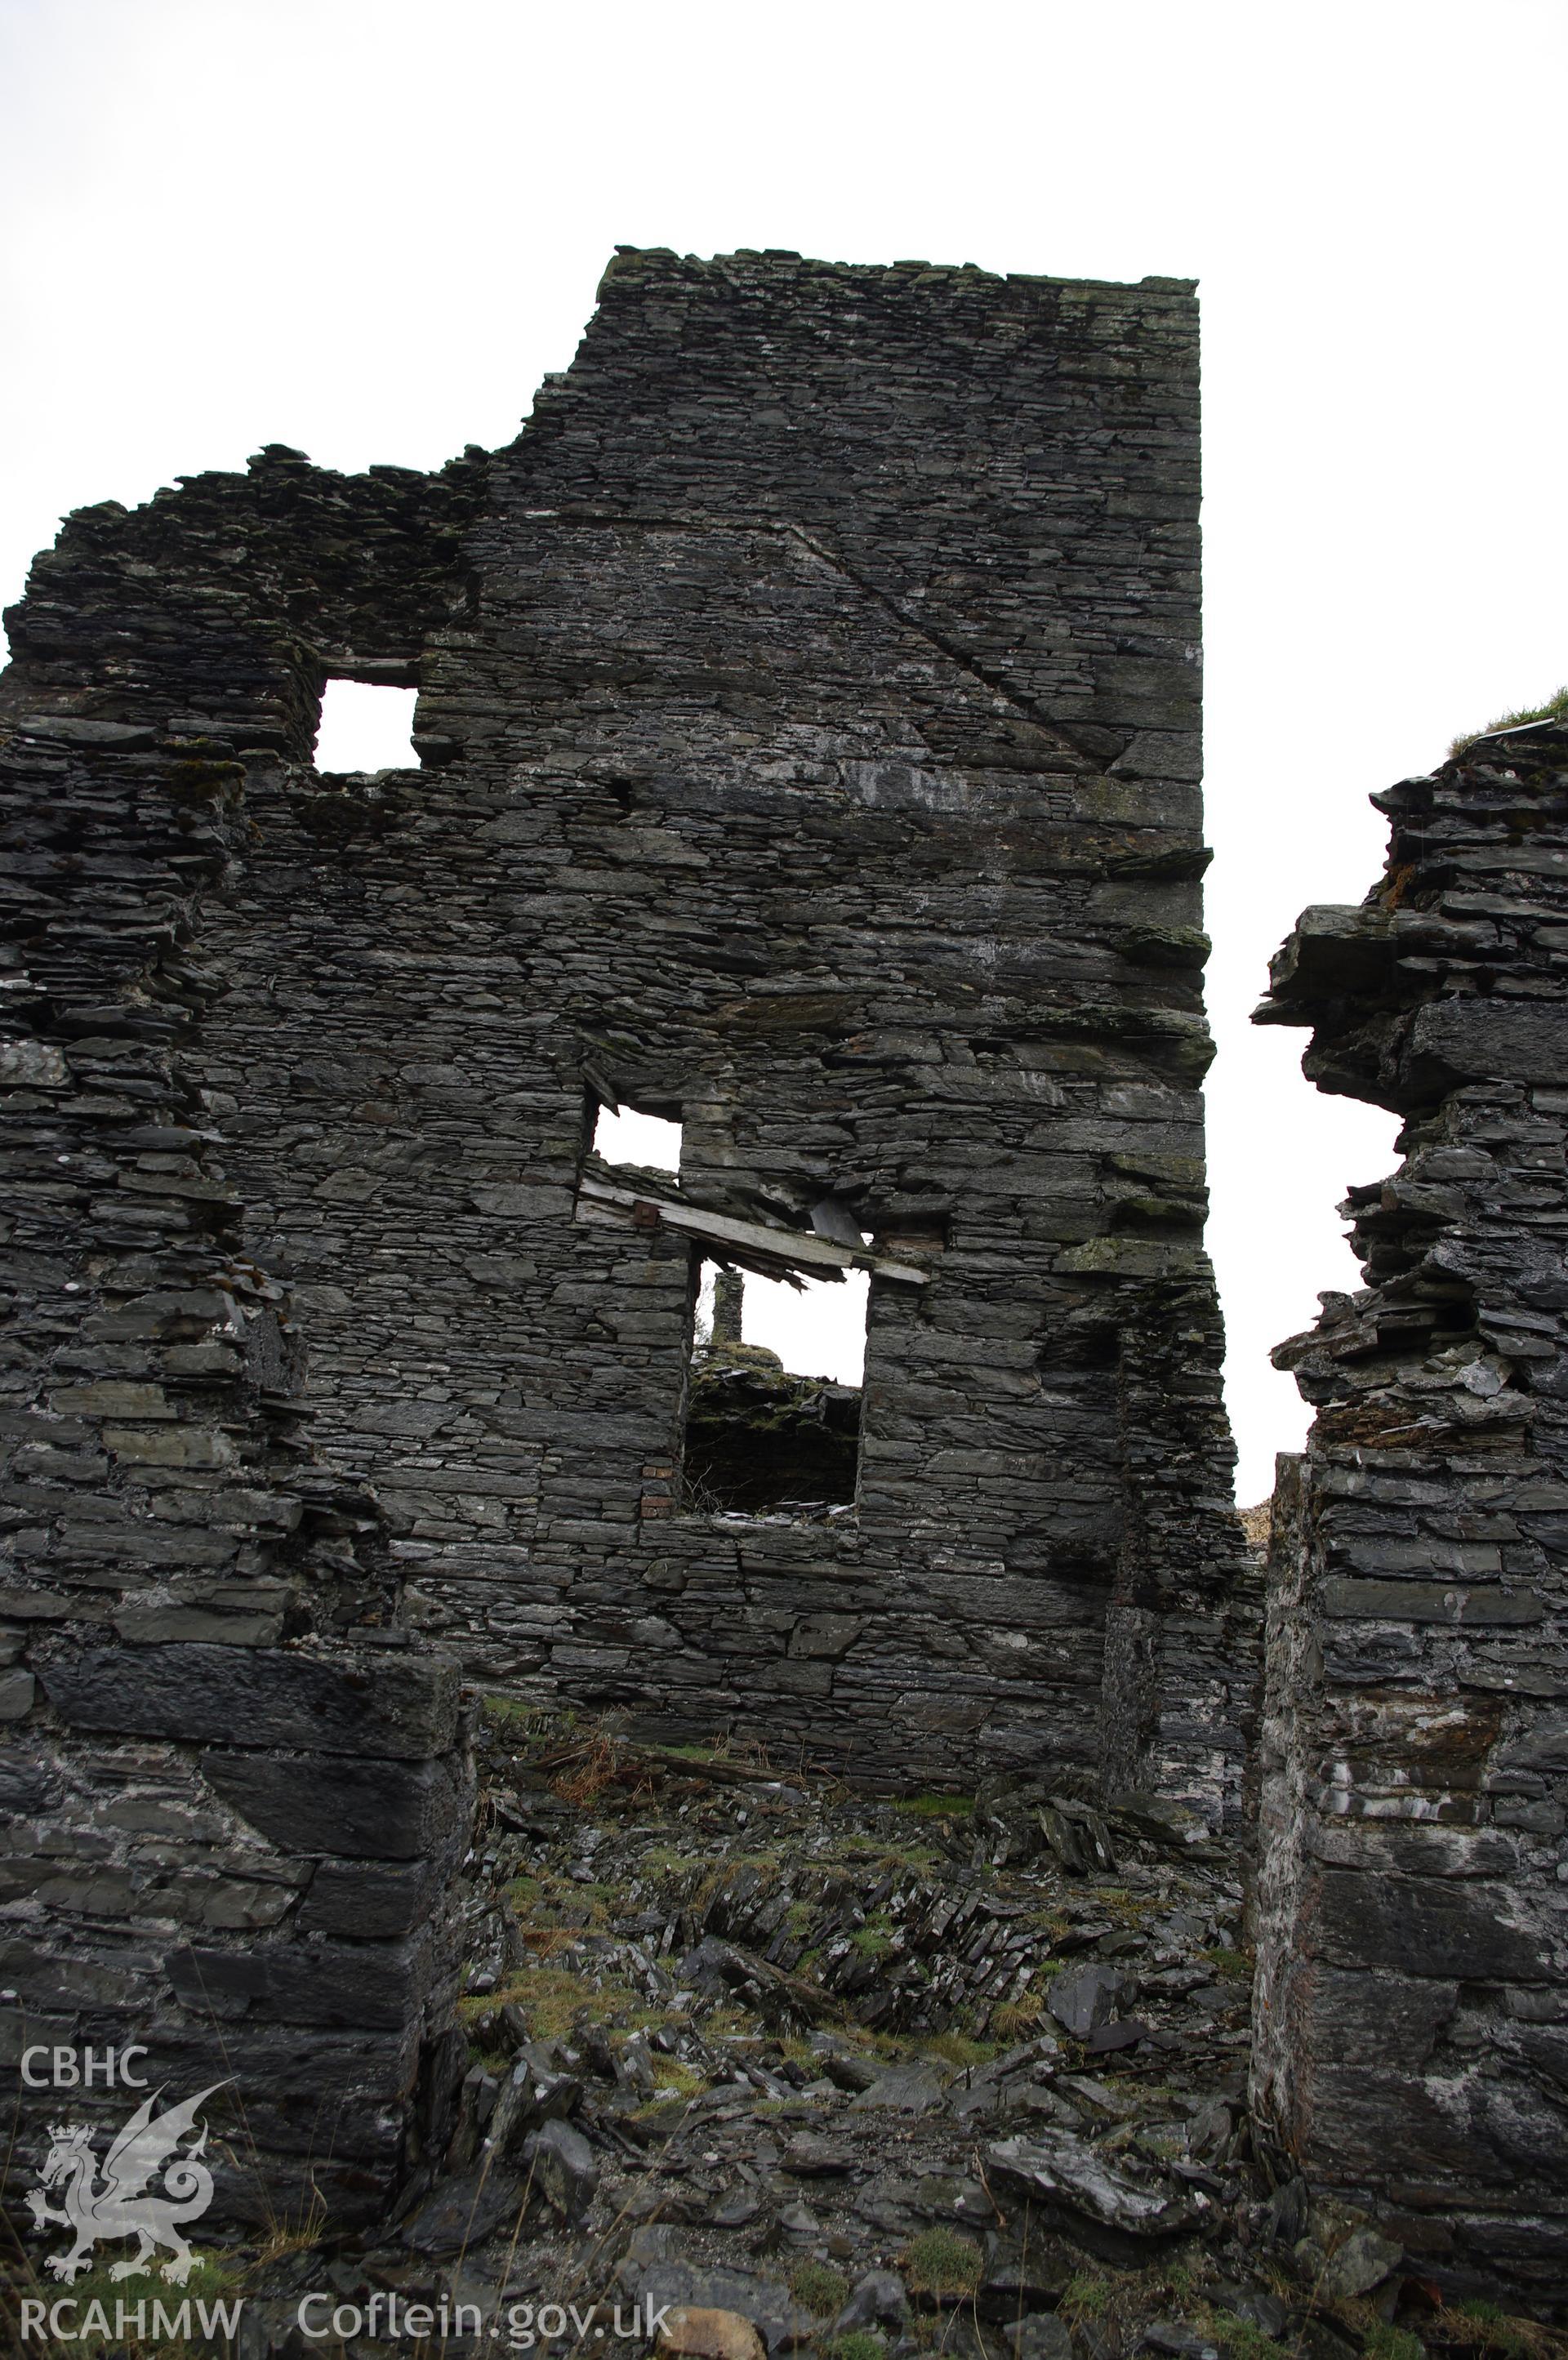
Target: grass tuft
point(1085, 2295)
point(1386, 2343)
point(1555, 709)
point(942, 2262)
point(1016, 2019)
point(821, 2290)
point(959, 2048)
point(1239, 2340)
point(1510, 2338)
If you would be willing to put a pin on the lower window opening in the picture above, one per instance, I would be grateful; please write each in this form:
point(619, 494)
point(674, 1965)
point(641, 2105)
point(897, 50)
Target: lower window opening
point(774, 1413)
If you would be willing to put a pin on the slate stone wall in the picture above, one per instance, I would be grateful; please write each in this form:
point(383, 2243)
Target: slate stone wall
point(233, 1788)
point(808, 742)
point(816, 762)
point(1412, 2026)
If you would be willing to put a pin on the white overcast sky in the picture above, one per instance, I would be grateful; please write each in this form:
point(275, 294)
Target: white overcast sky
point(367, 227)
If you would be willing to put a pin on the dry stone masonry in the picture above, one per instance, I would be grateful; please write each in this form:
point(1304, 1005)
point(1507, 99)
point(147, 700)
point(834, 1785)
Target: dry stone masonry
point(809, 758)
point(1412, 2002)
point(234, 1786)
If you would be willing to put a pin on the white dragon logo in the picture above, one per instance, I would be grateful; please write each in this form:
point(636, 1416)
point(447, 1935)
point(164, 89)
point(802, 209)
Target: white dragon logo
point(116, 2207)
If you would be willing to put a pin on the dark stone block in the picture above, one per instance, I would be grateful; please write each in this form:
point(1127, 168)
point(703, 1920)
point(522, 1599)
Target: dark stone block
point(1466, 1929)
point(1351, 2102)
point(1423, 1848)
point(1546, 2046)
point(1397, 2019)
point(272, 2065)
point(263, 2180)
point(373, 1988)
point(372, 1811)
point(400, 1708)
point(462, 2212)
point(25, 2028)
point(365, 1901)
point(1543, 1746)
point(1462, 1040)
point(1430, 1602)
point(27, 1785)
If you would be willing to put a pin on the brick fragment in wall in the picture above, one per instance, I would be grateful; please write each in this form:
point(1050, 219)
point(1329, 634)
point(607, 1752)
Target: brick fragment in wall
point(1413, 1887)
point(824, 778)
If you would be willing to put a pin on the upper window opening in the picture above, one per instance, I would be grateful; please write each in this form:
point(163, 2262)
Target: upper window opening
point(365, 728)
point(646, 1140)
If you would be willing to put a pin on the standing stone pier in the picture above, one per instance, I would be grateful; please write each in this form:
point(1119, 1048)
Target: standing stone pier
point(1412, 1990)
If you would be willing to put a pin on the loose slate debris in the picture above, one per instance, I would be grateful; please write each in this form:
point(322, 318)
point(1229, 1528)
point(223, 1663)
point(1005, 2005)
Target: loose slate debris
point(758, 2161)
point(1108, 2208)
point(721, 2150)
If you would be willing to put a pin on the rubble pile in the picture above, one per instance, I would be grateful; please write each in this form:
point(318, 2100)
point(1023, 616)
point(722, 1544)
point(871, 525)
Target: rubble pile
point(761, 1441)
point(942, 1914)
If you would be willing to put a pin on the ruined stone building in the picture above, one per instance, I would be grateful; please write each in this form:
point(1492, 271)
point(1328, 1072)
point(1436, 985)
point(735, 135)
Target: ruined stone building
point(809, 754)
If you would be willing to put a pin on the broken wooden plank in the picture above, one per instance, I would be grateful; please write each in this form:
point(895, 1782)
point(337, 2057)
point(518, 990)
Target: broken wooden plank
point(765, 1265)
point(792, 1250)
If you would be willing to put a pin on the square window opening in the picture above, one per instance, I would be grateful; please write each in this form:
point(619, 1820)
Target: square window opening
point(365, 727)
point(774, 1405)
point(623, 1136)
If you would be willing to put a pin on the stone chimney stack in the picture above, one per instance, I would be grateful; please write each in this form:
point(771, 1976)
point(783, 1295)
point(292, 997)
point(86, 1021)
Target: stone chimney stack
point(729, 1296)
